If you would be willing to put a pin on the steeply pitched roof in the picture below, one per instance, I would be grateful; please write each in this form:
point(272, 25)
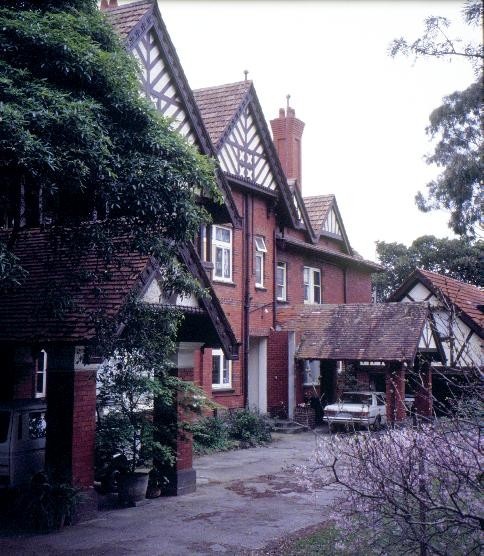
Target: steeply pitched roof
point(219, 105)
point(317, 208)
point(465, 297)
point(92, 289)
point(359, 331)
point(124, 18)
point(57, 275)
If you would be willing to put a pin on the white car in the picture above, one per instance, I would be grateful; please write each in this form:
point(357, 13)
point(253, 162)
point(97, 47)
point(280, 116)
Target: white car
point(366, 409)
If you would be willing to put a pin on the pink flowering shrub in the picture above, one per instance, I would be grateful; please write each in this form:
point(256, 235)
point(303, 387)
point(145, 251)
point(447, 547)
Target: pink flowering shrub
point(406, 490)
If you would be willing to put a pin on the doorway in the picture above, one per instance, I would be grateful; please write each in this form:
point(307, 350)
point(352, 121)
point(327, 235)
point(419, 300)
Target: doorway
point(257, 374)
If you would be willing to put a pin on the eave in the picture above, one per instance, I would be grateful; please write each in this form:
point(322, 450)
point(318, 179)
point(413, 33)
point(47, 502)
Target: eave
point(327, 254)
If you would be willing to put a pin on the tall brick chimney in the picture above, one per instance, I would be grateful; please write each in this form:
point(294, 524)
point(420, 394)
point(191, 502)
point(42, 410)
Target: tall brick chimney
point(287, 131)
point(106, 5)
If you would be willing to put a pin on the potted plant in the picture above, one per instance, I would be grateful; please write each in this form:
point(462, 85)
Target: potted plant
point(127, 388)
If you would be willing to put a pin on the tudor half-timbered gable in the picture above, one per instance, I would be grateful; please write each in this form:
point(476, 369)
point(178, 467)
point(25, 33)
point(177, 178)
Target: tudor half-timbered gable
point(457, 310)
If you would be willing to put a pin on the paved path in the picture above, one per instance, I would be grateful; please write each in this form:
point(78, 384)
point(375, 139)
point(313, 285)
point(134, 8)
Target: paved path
point(244, 500)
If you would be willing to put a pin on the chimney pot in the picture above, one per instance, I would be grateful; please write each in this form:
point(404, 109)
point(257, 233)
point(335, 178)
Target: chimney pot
point(287, 132)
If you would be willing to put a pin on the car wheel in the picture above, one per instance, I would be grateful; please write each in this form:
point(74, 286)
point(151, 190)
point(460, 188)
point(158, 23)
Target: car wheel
point(377, 423)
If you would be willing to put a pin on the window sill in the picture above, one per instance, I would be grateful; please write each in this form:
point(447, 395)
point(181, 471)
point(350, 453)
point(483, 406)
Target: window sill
point(222, 391)
point(282, 301)
point(260, 288)
point(224, 283)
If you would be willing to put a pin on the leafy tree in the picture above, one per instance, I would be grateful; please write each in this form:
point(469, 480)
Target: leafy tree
point(456, 258)
point(83, 156)
point(77, 141)
point(456, 125)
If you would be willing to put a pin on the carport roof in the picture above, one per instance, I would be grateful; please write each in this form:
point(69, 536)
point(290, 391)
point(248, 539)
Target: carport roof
point(360, 332)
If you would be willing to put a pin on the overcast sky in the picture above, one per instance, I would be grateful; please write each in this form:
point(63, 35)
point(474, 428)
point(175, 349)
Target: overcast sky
point(365, 112)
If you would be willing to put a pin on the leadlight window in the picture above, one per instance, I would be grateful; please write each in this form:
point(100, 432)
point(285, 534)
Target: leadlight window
point(281, 285)
point(221, 370)
point(312, 285)
point(260, 251)
point(222, 253)
point(41, 374)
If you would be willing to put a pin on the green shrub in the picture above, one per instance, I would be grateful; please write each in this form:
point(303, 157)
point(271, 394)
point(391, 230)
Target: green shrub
point(249, 427)
point(234, 429)
point(46, 505)
point(211, 434)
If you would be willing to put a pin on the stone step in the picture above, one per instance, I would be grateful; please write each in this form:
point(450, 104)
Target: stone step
point(285, 426)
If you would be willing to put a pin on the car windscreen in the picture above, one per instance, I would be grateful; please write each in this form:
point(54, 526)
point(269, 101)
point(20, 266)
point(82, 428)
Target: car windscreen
point(4, 423)
point(356, 398)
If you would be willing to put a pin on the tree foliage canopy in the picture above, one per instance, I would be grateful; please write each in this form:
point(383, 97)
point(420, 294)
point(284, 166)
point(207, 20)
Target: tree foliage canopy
point(456, 125)
point(77, 141)
point(456, 258)
point(83, 155)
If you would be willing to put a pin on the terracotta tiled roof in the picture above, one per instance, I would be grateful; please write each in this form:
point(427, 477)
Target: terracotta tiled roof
point(23, 311)
point(359, 332)
point(317, 208)
point(466, 297)
point(125, 17)
point(218, 106)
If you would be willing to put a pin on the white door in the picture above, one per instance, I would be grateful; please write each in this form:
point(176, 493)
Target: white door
point(257, 374)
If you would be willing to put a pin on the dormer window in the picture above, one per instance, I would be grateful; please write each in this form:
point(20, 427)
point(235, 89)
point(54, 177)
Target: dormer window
point(260, 251)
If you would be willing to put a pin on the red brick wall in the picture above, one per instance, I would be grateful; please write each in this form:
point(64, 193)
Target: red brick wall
point(333, 284)
point(358, 286)
point(83, 428)
point(261, 222)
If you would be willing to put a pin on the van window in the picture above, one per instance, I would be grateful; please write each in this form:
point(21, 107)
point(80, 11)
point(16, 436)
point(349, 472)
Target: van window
point(37, 425)
point(4, 423)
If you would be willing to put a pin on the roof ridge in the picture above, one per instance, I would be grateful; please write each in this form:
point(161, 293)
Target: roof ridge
point(123, 7)
point(319, 196)
point(223, 85)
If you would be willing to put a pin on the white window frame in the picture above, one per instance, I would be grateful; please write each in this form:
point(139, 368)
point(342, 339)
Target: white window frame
point(41, 370)
point(310, 286)
point(281, 265)
point(225, 248)
point(224, 366)
point(260, 251)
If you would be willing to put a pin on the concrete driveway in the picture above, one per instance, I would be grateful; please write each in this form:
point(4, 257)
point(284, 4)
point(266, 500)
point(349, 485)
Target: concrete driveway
point(244, 500)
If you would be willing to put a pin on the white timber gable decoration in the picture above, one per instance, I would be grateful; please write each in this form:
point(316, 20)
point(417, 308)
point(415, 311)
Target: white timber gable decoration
point(461, 345)
point(331, 225)
point(154, 295)
point(159, 86)
point(242, 153)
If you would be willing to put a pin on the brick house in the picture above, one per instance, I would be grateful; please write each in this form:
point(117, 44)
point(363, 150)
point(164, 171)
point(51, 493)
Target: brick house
point(271, 259)
point(51, 356)
point(280, 250)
